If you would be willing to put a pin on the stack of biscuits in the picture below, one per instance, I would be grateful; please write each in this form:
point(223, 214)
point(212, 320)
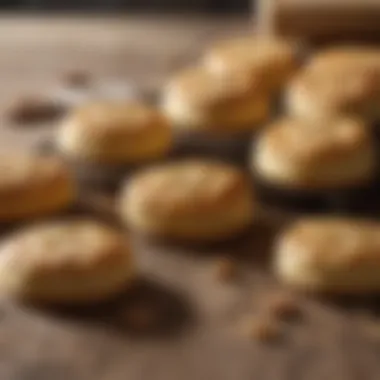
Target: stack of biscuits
point(253, 123)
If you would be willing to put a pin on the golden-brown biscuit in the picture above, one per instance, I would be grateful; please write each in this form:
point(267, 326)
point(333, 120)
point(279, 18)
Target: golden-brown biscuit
point(189, 200)
point(337, 83)
point(341, 55)
point(271, 61)
point(32, 186)
point(334, 255)
point(72, 261)
point(196, 100)
point(115, 133)
point(315, 155)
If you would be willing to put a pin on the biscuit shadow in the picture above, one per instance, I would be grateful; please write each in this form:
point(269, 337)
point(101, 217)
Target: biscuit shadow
point(352, 303)
point(233, 150)
point(97, 205)
point(258, 246)
point(362, 205)
point(347, 204)
point(357, 201)
point(104, 178)
point(196, 247)
point(253, 244)
point(146, 309)
point(91, 205)
point(288, 200)
point(9, 228)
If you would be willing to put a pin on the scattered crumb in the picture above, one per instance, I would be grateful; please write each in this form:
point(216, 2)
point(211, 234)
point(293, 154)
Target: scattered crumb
point(140, 318)
point(77, 78)
point(263, 330)
point(225, 269)
point(31, 109)
point(282, 306)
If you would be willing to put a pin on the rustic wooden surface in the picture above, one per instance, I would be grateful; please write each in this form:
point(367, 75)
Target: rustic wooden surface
point(196, 335)
point(37, 51)
point(322, 20)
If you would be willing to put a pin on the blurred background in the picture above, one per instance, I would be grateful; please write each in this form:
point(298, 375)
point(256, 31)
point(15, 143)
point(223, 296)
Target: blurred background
point(205, 6)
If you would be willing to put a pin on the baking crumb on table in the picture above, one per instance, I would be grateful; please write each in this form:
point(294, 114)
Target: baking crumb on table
point(140, 318)
point(282, 306)
point(31, 109)
point(262, 330)
point(77, 78)
point(225, 269)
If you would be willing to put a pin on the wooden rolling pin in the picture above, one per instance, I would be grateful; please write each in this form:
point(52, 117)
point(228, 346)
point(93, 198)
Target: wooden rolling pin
point(321, 20)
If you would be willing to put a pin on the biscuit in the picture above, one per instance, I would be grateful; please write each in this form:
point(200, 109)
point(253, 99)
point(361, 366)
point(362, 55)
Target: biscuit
point(339, 83)
point(32, 186)
point(190, 200)
point(271, 61)
point(333, 255)
point(115, 133)
point(72, 261)
point(336, 153)
point(196, 100)
point(341, 55)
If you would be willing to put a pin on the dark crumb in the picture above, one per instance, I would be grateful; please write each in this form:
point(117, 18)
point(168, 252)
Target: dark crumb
point(225, 269)
point(140, 318)
point(282, 306)
point(77, 78)
point(262, 329)
point(32, 109)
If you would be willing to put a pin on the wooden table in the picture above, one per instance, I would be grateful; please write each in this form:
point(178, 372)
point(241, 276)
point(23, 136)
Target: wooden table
point(36, 51)
point(198, 337)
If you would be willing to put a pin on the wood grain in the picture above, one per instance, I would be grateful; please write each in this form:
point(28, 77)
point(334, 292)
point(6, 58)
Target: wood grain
point(321, 20)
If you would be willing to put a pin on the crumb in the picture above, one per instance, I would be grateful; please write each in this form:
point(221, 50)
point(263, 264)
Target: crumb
point(283, 306)
point(77, 78)
point(31, 109)
point(225, 269)
point(262, 330)
point(140, 318)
